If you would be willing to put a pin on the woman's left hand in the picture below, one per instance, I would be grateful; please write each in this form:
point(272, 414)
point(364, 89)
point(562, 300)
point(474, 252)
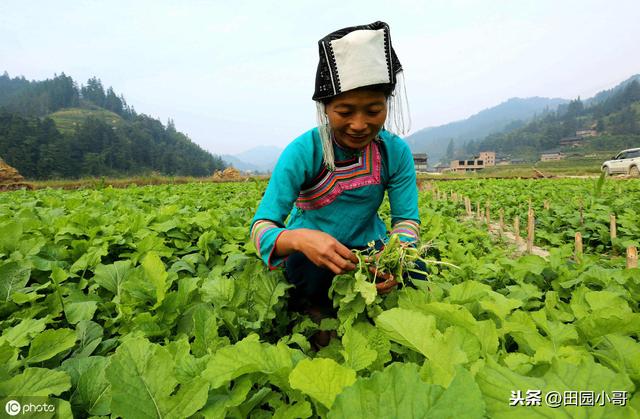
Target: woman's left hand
point(385, 286)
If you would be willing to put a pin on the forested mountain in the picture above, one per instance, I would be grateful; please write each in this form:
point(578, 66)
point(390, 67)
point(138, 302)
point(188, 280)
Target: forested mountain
point(53, 128)
point(613, 116)
point(506, 116)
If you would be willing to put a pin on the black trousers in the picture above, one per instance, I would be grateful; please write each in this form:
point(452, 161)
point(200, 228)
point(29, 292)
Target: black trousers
point(311, 284)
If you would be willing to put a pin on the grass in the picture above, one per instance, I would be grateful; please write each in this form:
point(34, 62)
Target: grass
point(100, 183)
point(68, 119)
point(588, 165)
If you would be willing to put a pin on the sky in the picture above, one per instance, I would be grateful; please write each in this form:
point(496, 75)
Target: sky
point(234, 75)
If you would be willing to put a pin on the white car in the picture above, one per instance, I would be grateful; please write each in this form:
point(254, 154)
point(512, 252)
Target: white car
point(626, 162)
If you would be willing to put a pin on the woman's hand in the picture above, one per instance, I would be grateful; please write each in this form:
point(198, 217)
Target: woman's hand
point(320, 248)
point(388, 282)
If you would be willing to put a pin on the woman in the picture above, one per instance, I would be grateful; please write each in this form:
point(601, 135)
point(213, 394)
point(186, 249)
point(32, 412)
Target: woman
point(330, 181)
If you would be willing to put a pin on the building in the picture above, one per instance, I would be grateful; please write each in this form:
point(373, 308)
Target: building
point(551, 156)
point(489, 158)
point(482, 160)
point(587, 133)
point(420, 162)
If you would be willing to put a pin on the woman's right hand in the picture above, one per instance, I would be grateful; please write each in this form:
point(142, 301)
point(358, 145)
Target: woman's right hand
point(320, 248)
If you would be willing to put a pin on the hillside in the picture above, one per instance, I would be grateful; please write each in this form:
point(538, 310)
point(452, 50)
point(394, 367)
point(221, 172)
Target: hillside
point(507, 115)
point(69, 119)
point(611, 120)
point(55, 129)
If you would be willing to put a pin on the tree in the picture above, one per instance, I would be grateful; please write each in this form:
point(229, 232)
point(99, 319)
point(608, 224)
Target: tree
point(94, 92)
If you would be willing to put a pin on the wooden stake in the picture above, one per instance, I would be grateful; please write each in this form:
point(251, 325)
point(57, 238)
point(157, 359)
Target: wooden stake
point(578, 254)
point(632, 257)
point(530, 230)
point(478, 214)
point(487, 213)
point(613, 231)
point(501, 220)
point(581, 214)
point(516, 228)
point(467, 205)
point(612, 227)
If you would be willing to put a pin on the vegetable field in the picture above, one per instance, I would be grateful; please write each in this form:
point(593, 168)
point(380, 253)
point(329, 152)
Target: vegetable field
point(151, 302)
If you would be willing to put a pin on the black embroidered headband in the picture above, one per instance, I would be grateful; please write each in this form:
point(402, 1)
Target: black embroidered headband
point(355, 57)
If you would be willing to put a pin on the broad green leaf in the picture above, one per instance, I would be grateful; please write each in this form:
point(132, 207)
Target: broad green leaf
point(13, 277)
point(222, 399)
point(50, 343)
point(111, 277)
point(620, 353)
point(89, 335)
point(8, 360)
point(150, 244)
point(398, 392)
point(365, 288)
point(294, 411)
point(218, 290)
point(91, 392)
point(322, 379)
point(23, 298)
point(10, 234)
point(76, 311)
point(21, 334)
point(187, 367)
point(462, 399)
point(90, 258)
point(585, 302)
point(524, 331)
point(357, 353)
point(457, 315)
point(418, 332)
point(250, 356)
point(559, 333)
point(267, 290)
point(475, 293)
point(142, 389)
point(155, 272)
point(499, 385)
point(36, 382)
point(187, 401)
point(205, 331)
point(376, 340)
point(59, 275)
point(604, 322)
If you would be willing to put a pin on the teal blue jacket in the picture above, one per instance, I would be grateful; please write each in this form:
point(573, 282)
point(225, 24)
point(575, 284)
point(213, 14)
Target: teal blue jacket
point(344, 203)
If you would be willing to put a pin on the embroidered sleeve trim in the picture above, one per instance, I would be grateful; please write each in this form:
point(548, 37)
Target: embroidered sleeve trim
point(258, 230)
point(271, 264)
point(407, 228)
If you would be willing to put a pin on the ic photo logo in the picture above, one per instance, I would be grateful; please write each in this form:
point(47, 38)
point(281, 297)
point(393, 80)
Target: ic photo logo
point(32, 406)
point(12, 408)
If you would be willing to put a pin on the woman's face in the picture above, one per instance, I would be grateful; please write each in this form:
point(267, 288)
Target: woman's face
point(356, 117)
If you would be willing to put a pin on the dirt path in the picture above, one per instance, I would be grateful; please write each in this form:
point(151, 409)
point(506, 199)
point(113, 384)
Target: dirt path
point(519, 243)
